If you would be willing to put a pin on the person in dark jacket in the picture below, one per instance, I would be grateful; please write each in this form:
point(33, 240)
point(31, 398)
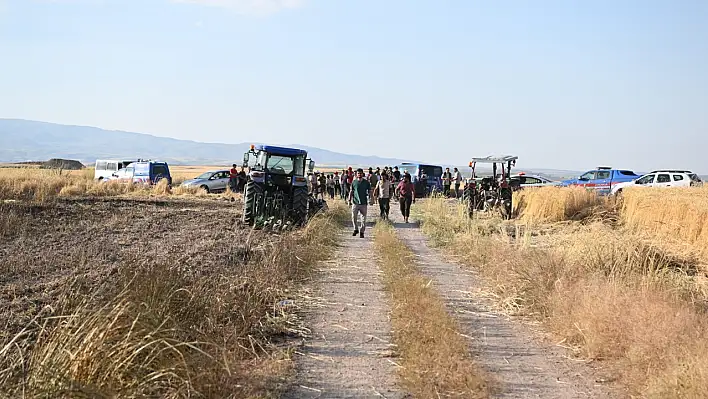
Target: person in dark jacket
point(406, 195)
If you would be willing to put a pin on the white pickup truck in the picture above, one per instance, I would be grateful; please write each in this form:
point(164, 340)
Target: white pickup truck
point(661, 178)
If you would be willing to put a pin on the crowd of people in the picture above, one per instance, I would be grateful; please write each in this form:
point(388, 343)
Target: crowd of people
point(360, 189)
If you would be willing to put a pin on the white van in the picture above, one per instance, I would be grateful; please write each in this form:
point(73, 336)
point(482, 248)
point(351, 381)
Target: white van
point(107, 167)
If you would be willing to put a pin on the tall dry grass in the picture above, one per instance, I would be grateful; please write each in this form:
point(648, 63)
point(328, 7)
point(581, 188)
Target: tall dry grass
point(42, 185)
point(163, 330)
point(554, 204)
point(608, 294)
point(676, 216)
point(435, 357)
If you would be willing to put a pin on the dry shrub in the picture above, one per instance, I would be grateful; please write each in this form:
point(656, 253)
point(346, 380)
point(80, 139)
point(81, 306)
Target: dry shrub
point(162, 188)
point(655, 340)
point(10, 221)
point(613, 252)
point(74, 190)
point(609, 294)
point(111, 188)
point(554, 204)
point(189, 190)
point(29, 187)
point(169, 330)
point(435, 357)
point(678, 217)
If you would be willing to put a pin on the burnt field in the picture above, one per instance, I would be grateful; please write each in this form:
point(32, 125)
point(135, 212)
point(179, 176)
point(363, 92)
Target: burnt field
point(131, 297)
point(95, 242)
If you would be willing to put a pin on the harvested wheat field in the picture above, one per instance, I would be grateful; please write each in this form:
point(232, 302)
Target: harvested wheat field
point(133, 297)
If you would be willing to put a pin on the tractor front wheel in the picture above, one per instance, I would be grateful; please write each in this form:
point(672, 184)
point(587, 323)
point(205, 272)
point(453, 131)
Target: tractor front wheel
point(251, 196)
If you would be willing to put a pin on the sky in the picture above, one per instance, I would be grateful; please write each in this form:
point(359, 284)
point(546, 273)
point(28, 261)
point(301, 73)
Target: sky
point(563, 84)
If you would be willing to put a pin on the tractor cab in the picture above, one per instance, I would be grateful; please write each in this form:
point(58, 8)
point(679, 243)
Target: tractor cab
point(277, 184)
point(490, 192)
point(279, 166)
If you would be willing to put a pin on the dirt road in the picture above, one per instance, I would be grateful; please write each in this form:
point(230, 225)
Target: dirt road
point(348, 355)
point(521, 365)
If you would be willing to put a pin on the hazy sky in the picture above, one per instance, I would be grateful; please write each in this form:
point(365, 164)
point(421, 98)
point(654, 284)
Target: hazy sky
point(562, 84)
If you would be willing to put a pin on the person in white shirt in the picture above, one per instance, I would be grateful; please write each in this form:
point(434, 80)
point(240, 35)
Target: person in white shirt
point(330, 186)
point(383, 192)
point(457, 178)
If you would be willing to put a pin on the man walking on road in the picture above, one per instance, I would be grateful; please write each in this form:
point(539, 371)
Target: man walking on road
point(383, 193)
point(406, 195)
point(359, 198)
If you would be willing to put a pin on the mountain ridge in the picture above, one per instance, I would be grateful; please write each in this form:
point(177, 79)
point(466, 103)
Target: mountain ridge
point(26, 140)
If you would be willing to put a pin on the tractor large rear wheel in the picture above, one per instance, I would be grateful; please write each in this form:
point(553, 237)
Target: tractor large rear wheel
point(300, 205)
point(251, 196)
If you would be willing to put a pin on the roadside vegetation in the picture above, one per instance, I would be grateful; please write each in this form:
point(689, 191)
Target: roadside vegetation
point(435, 359)
point(120, 297)
point(619, 282)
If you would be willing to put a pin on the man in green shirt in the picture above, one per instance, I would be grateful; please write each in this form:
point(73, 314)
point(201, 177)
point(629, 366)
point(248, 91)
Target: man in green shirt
point(359, 198)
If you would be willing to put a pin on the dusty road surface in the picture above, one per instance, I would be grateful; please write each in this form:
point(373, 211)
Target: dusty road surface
point(519, 362)
point(349, 352)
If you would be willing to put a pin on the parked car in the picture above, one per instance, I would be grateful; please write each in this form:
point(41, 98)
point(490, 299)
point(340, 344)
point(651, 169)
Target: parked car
point(211, 181)
point(602, 179)
point(146, 172)
point(522, 180)
point(107, 167)
point(662, 178)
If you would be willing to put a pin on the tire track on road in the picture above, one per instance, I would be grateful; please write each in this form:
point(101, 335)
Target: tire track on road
point(348, 354)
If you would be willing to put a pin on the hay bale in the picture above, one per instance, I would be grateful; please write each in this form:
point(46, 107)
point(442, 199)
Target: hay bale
point(66, 164)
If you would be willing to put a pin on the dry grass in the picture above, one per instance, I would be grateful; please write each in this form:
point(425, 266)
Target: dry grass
point(554, 204)
point(606, 292)
point(435, 357)
point(42, 185)
point(194, 320)
point(675, 216)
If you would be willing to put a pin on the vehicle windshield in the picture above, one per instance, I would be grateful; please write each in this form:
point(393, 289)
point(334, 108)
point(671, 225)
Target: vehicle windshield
point(432, 171)
point(286, 165)
point(205, 175)
point(408, 168)
point(588, 176)
point(695, 177)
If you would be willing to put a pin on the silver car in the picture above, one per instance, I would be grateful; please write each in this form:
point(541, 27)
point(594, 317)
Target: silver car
point(211, 181)
point(522, 180)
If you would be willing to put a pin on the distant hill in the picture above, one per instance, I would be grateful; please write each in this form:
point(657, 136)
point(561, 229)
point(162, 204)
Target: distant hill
point(23, 140)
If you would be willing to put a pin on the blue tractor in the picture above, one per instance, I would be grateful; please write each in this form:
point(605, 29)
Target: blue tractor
point(276, 187)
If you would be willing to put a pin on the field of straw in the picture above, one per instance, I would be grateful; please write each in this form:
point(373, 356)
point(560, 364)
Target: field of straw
point(678, 217)
point(158, 295)
point(42, 185)
point(603, 276)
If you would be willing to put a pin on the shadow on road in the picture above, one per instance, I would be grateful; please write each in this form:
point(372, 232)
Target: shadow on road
point(401, 225)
